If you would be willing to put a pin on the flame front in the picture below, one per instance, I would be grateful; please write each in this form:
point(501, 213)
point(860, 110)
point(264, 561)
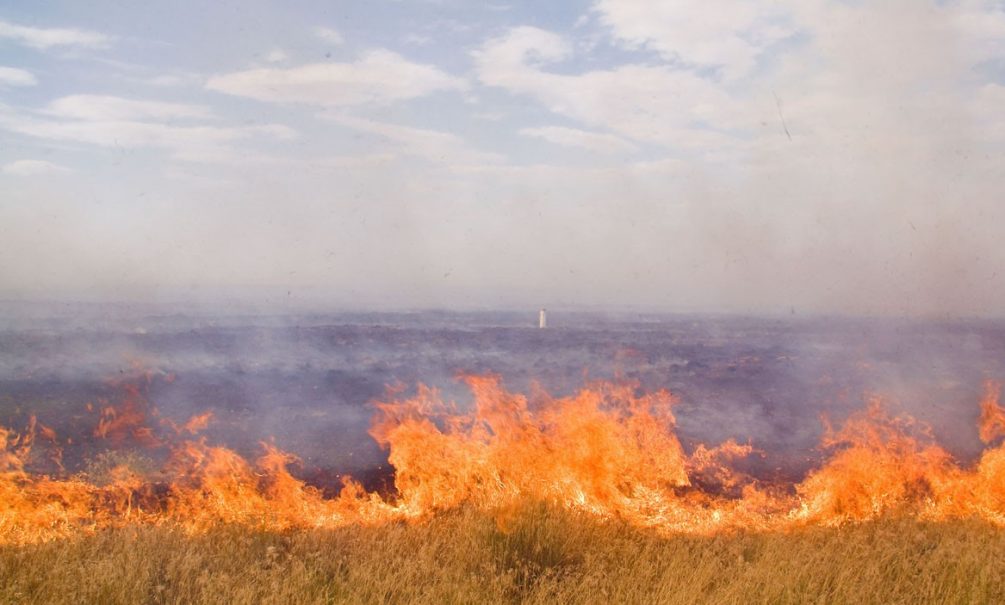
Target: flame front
point(608, 450)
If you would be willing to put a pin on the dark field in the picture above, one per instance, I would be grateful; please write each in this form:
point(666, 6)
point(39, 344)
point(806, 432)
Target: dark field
point(306, 381)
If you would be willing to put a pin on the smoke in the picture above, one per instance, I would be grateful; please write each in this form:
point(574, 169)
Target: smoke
point(306, 381)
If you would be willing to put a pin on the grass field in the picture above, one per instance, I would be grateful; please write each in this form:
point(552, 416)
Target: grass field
point(545, 555)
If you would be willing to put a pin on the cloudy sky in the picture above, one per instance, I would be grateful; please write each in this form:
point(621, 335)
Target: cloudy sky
point(809, 155)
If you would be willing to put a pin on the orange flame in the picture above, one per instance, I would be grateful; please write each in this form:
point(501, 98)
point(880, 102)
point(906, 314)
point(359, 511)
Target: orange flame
point(128, 420)
point(608, 450)
point(992, 420)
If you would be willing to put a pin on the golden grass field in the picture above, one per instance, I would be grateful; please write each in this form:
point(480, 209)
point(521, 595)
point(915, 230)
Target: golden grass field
point(545, 555)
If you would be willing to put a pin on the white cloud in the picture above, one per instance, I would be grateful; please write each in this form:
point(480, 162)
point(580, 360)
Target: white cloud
point(130, 123)
point(12, 76)
point(641, 102)
point(276, 55)
point(432, 145)
point(572, 137)
point(731, 36)
point(130, 134)
point(981, 24)
point(836, 84)
point(891, 121)
point(508, 55)
point(173, 80)
point(418, 39)
point(45, 38)
point(100, 107)
point(32, 168)
point(329, 35)
point(378, 77)
point(889, 79)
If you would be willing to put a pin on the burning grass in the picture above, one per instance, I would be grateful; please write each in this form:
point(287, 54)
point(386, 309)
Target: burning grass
point(585, 498)
point(607, 451)
point(544, 554)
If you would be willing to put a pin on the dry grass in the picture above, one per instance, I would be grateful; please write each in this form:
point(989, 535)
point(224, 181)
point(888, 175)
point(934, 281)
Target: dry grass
point(545, 556)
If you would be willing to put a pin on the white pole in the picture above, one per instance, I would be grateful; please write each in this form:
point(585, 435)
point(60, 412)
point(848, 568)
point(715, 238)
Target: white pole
point(542, 319)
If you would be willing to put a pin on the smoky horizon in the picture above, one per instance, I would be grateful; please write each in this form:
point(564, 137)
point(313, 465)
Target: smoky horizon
point(817, 157)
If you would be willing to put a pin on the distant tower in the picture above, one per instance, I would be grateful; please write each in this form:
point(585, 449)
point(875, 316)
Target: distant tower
point(542, 319)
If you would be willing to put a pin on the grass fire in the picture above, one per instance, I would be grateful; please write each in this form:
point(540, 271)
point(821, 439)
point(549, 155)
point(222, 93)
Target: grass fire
point(444, 302)
point(530, 497)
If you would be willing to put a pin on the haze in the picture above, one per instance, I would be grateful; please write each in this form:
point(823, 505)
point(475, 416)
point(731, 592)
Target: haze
point(798, 156)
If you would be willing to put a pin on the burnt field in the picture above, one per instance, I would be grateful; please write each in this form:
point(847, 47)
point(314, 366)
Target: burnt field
point(306, 382)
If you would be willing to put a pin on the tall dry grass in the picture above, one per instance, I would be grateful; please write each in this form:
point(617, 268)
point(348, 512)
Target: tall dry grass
point(543, 556)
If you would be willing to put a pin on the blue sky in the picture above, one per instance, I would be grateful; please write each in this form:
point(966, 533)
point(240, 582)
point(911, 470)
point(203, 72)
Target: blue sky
point(822, 155)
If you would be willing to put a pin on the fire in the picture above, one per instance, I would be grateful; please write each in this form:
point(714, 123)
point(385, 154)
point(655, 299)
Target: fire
point(601, 449)
point(879, 465)
point(992, 421)
point(608, 450)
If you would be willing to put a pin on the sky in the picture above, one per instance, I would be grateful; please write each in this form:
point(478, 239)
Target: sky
point(793, 156)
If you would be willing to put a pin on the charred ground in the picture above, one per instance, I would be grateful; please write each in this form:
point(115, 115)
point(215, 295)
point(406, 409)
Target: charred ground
point(305, 382)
